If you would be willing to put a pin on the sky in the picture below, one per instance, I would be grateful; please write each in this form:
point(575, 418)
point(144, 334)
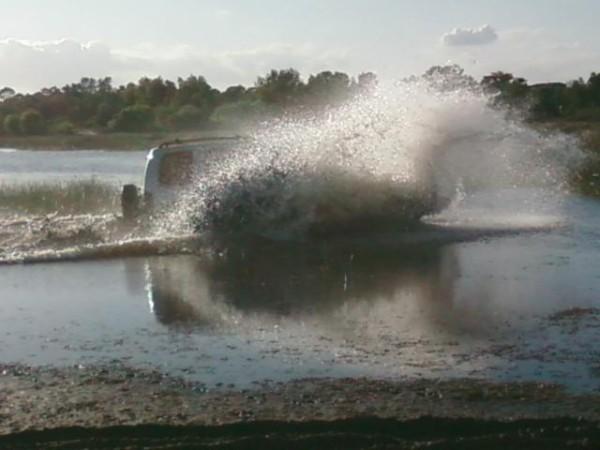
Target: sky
point(54, 42)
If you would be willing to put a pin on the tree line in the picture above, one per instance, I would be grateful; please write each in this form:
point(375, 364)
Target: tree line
point(159, 104)
point(578, 100)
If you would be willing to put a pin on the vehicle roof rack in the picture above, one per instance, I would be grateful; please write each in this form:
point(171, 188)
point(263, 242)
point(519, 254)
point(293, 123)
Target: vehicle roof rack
point(200, 139)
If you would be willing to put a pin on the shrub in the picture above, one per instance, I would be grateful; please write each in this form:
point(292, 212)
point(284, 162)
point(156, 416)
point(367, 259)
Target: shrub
point(163, 116)
point(32, 122)
point(71, 197)
point(12, 124)
point(189, 116)
point(133, 118)
point(63, 127)
point(105, 112)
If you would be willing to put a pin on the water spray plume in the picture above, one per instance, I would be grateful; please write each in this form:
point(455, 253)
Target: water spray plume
point(415, 151)
point(386, 158)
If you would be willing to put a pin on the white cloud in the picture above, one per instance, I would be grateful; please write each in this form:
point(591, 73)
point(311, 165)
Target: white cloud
point(235, 66)
point(535, 54)
point(27, 66)
point(485, 34)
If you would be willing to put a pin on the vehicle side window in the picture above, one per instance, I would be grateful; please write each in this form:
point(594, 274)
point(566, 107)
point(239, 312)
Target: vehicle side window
point(176, 169)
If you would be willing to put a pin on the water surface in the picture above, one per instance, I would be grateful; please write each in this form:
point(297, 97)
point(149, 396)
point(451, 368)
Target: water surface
point(521, 306)
point(33, 166)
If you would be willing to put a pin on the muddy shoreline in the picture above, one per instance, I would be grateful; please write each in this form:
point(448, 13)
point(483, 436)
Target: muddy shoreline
point(75, 401)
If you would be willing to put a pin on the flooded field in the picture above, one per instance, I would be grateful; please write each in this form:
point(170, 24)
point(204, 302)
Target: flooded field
point(510, 302)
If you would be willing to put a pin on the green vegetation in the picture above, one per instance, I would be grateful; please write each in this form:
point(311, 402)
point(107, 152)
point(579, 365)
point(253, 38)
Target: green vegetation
point(577, 100)
point(162, 106)
point(31, 122)
point(12, 124)
point(75, 197)
point(133, 118)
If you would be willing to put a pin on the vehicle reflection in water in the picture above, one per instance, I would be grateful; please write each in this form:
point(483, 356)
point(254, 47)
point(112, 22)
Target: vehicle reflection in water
point(336, 289)
point(478, 308)
point(517, 307)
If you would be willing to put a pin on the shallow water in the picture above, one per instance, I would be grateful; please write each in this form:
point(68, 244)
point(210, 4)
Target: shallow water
point(24, 166)
point(502, 285)
point(520, 305)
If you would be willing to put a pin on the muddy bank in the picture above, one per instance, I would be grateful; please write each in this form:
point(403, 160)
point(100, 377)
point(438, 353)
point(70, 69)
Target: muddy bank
point(73, 400)
point(369, 432)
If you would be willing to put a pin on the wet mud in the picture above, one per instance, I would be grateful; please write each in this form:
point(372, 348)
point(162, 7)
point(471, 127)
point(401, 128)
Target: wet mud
point(117, 406)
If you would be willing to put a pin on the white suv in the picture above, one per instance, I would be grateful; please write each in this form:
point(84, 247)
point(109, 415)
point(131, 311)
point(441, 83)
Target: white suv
point(170, 168)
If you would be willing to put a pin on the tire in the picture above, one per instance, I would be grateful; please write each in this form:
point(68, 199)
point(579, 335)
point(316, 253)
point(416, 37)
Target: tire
point(130, 202)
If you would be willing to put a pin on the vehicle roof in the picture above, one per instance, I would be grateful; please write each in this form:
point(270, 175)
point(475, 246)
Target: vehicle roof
point(178, 143)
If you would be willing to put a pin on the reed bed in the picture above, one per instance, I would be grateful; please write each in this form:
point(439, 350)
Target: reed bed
point(71, 197)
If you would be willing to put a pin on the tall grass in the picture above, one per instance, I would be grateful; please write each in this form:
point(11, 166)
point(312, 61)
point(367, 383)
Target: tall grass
point(73, 197)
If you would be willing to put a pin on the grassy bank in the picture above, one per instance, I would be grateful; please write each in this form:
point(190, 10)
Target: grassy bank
point(102, 141)
point(74, 197)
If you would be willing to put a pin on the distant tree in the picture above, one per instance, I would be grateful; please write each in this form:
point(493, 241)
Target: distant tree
point(105, 85)
point(6, 93)
point(106, 111)
point(328, 88)
point(497, 81)
point(449, 78)
point(280, 87)
point(128, 94)
point(133, 118)
point(547, 100)
point(189, 116)
point(63, 127)
point(509, 90)
point(31, 122)
point(51, 103)
point(232, 94)
point(155, 91)
point(12, 124)
point(593, 86)
point(196, 91)
point(575, 98)
point(192, 101)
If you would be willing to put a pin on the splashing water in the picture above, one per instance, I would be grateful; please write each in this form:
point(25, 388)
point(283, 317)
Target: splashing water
point(384, 159)
point(381, 162)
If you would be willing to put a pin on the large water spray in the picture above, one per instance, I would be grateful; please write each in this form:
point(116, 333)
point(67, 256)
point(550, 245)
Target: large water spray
point(386, 158)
